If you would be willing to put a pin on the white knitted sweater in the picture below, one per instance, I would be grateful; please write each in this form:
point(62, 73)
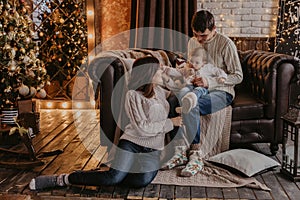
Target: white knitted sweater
point(148, 117)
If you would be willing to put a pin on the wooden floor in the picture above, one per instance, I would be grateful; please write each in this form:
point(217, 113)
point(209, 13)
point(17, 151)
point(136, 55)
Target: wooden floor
point(77, 134)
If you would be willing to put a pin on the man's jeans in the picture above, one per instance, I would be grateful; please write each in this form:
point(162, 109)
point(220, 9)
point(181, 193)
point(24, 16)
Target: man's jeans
point(207, 104)
point(199, 91)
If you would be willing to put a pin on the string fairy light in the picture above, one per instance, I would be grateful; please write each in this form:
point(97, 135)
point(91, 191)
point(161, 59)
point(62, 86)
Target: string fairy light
point(91, 28)
point(288, 29)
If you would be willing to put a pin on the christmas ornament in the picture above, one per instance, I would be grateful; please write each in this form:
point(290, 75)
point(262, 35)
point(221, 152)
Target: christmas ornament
point(23, 90)
point(19, 63)
point(41, 94)
point(32, 92)
point(12, 65)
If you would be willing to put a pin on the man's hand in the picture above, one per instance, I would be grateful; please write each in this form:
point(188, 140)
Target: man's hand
point(221, 80)
point(200, 82)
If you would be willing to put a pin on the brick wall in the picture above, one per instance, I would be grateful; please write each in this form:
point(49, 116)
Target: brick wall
point(243, 18)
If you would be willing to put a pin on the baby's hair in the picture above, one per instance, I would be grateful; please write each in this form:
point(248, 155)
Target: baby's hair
point(200, 52)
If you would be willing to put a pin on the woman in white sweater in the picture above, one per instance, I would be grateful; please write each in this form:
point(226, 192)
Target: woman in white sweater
point(137, 159)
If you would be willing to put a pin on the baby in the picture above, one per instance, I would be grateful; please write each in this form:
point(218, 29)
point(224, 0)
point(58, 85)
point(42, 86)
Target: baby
point(180, 80)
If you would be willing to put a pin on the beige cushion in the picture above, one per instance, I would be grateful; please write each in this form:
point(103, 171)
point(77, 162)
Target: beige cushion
point(246, 161)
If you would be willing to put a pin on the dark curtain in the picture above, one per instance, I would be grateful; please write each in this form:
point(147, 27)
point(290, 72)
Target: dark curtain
point(163, 24)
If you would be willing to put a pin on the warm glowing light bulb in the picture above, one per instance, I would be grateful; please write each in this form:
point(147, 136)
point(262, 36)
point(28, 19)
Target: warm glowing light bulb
point(64, 105)
point(91, 58)
point(90, 12)
point(78, 105)
point(93, 102)
point(49, 104)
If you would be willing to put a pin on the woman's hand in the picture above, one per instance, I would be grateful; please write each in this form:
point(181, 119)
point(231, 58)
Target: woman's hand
point(177, 121)
point(200, 82)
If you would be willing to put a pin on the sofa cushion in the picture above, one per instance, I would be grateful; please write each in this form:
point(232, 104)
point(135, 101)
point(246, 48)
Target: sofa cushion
point(246, 107)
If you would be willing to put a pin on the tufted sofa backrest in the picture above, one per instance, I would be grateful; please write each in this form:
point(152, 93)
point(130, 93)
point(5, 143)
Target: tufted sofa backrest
point(263, 80)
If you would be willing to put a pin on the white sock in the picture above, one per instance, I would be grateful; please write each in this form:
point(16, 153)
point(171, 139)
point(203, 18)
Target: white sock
point(32, 184)
point(189, 101)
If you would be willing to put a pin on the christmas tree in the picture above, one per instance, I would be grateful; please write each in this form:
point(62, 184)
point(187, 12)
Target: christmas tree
point(22, 74)
point(63, 35)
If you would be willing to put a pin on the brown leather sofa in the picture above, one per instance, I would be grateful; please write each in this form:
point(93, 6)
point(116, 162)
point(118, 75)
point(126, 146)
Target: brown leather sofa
point(268, 88)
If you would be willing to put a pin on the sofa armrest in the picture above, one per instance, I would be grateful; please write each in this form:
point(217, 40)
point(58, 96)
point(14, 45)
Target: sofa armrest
point(105, 72)
point(271, 76)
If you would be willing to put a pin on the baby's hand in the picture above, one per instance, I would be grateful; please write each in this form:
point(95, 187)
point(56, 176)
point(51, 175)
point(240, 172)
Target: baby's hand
point(192, 71)
point(189, 72)
point(221, 80)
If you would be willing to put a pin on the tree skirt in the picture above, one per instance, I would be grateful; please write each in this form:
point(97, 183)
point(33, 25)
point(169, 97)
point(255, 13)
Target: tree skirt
point(210, 176)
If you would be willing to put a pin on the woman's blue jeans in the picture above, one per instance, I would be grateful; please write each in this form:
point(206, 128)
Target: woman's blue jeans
point(133, 166)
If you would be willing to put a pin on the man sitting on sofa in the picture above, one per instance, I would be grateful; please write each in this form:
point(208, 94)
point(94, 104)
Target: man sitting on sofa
point(224, 55)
